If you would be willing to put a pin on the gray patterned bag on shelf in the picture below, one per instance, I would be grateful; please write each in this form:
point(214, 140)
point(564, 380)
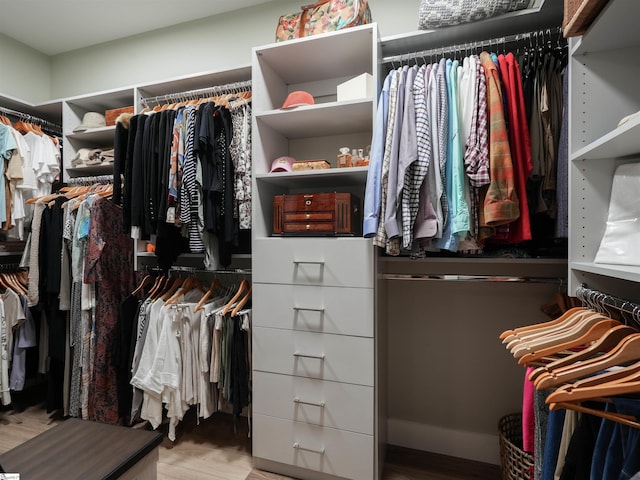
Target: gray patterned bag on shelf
point(447, 13)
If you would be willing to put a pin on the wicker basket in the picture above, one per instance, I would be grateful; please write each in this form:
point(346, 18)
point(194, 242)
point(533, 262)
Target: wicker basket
point(516, 463)
point(579, 14)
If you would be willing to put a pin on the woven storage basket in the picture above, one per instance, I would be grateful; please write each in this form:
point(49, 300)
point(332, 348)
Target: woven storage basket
point(516, 463)
point(579, 14)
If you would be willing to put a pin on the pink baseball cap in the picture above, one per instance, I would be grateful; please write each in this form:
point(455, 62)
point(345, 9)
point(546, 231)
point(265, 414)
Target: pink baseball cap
point(282, 164)
point(298, 99)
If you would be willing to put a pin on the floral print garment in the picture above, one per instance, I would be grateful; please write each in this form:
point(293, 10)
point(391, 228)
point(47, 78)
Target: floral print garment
point(109, 265)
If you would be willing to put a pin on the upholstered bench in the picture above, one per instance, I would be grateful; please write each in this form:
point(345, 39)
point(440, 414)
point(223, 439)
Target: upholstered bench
point(83, 450)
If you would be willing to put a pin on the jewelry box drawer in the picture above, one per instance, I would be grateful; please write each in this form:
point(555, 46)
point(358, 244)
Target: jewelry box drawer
point(339, 358)
point(328, 404)
point(343, 311)
point(320, 449)
point(339, 262)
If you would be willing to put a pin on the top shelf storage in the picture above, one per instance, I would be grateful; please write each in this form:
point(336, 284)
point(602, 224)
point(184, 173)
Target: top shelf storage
point(315, 58)
point(613, 29)
point(539, 17)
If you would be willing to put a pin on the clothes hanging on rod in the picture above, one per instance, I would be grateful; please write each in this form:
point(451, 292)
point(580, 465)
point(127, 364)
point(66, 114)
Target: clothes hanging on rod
point(191, 348)
point(50, 127)
point(187, 174)
point(17, 331)
point(452, 165)
point(586, 360)
point(77, 249)
point(31, 164)
point(189, 95)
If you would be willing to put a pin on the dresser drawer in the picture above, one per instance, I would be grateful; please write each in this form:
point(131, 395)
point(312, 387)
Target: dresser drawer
point(339, 262)
point(328, 404)
point(340, 358)
point(344, 311)
point(327, 450)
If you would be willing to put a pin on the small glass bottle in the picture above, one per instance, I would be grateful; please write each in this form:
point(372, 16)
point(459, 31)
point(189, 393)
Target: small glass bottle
point(344, 158)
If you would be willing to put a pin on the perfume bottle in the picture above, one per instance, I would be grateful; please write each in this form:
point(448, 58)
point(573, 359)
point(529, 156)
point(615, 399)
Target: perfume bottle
point(344, 158)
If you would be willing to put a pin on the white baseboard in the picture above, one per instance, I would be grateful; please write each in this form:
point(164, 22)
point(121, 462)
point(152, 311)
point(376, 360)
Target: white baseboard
point(456, 443)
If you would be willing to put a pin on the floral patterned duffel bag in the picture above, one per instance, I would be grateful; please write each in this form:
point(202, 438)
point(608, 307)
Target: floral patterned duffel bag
point(323, 16)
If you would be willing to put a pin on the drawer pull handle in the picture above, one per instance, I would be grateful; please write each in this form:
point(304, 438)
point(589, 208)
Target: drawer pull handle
point(297, 446)
point(314, 404)
point(308, 309)
point(307, 355)
point(309, 262)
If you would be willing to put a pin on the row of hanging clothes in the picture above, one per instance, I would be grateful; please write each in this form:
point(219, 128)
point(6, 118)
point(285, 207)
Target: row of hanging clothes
point(581, 396)
point(466, 153)
point(183, 344)
point(17, 331)
point(31, 152)
point(187, 173)
point(80, 267)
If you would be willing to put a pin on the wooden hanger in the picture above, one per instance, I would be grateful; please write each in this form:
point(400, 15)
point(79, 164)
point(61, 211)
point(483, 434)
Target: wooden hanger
point(189, 284)
point(628, 350)
point(608, 341)
point(13, 281)
point(242, 302)
point(628, 420)
point(524, 344)
point(572, 326)
point(531, 331)
point(23, 127)
point(36, 129)
point(584, 389)
point(3, 282)
point(584, 334)
point(144, 284)
point(511, 334)
point(215, 284)
point(5, 120)
point(177, 283)
point(157, 287)
point(241, 288)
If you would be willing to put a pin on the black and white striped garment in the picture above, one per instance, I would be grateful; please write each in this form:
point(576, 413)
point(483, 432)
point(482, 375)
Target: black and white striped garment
point(189, 194)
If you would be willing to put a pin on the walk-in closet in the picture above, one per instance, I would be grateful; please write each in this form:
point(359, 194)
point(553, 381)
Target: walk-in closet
point(402, 249)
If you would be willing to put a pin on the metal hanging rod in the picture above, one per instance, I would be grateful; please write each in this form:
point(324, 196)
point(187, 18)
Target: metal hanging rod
point(235, 87)
point(223, 271)
point(603, 302)
point(473, 278)
point(46, 124)
point(90, 180)
point(535, 38)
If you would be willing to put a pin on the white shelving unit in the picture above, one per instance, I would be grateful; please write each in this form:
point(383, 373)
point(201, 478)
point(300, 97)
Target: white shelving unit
point(73, 110)
point(604, 71)
point(317, 362)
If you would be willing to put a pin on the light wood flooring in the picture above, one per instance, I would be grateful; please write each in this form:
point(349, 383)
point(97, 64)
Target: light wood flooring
point(216, 449)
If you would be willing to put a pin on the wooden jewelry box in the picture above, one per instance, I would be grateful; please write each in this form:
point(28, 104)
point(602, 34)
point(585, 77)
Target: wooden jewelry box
point(316, 214)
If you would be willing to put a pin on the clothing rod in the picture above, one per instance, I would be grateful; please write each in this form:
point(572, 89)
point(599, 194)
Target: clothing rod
point(472, 278)
point(534, 38)
point(91, 179)
point(230, 271)
point(602, 301)
point(217, 90)
point(52, 127)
